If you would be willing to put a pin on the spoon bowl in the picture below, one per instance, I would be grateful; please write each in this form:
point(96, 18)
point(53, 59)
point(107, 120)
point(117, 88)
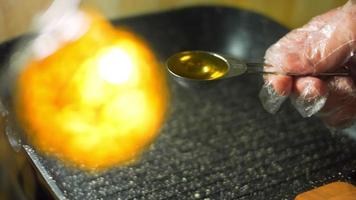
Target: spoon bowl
point(203, 66)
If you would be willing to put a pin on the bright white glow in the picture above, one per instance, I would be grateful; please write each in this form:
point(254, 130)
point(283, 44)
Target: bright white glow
point(115, 66)
point(185, 58)
point(206, 69)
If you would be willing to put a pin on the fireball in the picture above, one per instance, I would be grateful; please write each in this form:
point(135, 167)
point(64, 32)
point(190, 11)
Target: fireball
point(95, 102)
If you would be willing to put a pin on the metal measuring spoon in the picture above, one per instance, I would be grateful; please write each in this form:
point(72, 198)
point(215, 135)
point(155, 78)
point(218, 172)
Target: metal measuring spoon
point(207, 66)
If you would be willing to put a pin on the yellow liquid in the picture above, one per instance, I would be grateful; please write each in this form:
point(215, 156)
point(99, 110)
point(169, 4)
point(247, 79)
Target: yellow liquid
point(198, 65)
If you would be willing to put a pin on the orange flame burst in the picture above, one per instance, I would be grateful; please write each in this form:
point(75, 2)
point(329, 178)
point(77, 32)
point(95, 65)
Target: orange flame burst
point(95, 102)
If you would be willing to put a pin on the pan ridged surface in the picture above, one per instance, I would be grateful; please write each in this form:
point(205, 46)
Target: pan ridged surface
point(218, 147)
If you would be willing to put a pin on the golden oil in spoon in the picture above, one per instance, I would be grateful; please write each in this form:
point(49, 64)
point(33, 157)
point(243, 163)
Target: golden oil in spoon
point(198, 65)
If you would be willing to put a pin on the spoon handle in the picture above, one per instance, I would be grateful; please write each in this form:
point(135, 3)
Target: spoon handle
point(253, 68)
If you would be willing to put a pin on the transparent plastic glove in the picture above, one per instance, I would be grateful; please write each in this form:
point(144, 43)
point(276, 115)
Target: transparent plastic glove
point(326, 44)
point(62, 22)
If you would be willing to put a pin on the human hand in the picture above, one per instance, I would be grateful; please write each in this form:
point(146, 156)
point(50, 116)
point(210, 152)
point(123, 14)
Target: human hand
point(326, 44)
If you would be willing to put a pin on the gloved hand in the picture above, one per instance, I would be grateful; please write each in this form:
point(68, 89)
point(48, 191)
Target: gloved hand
point(326, 44)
